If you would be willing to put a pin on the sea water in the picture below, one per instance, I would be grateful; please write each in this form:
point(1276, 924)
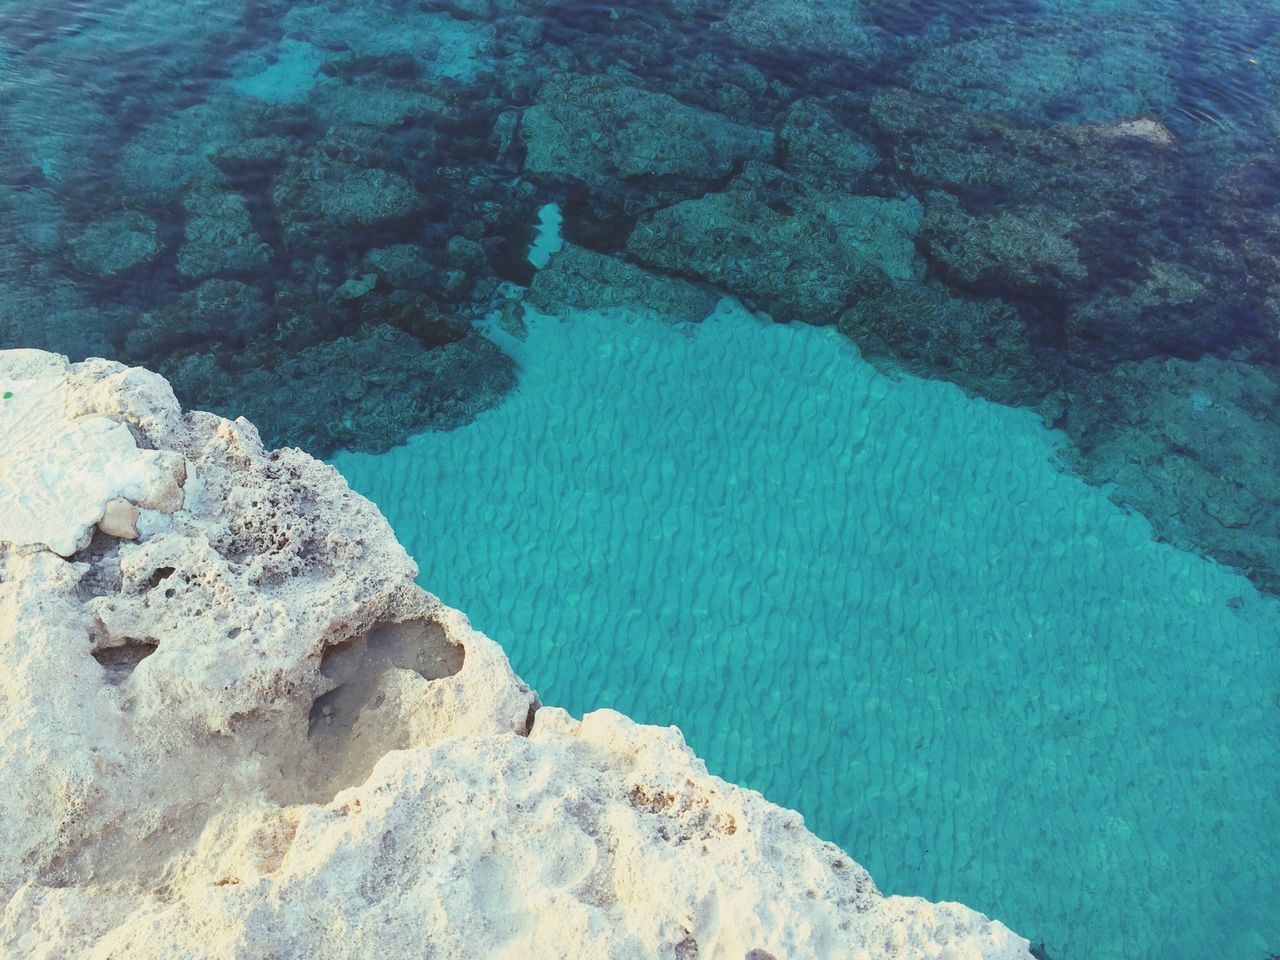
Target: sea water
point(881, 603)
point(877, 600)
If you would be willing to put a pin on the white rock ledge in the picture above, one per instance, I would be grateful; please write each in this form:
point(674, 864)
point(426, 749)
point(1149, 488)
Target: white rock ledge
point(243, 731)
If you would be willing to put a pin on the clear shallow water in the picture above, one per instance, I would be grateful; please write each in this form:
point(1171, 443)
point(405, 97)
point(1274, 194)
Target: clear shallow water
point(880, 603)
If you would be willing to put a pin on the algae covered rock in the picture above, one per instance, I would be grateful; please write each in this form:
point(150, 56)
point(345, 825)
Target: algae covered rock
point(220, 237)
point(794, 251)
point(341, 183)
point(116, 244)
point(217, 311)
point(1062, 68)
point(984, 346)
point(1194, 445)
point(253, 708)
point(401, 265)
point(607, 134)
point(834, 28)
point(369, 390)
point(1166, 309)
point(816, 144)
point(580, 278)
point(167, 156)
point(1126, 166)
point(379, 102)
point(415, 314)
point(444, 47)
point(1021, 247)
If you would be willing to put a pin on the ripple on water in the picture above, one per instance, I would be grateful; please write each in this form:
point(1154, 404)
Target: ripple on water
point(878, 602)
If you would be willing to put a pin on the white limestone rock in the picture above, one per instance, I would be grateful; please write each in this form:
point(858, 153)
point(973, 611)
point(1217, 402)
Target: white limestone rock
point(248, 733)
point(65, 461)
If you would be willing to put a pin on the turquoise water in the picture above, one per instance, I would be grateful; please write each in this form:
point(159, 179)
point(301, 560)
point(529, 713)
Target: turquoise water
point(888, 603)
point(879, 602)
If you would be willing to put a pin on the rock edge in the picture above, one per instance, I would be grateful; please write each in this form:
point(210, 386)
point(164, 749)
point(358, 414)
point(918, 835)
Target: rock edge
point(233, 726)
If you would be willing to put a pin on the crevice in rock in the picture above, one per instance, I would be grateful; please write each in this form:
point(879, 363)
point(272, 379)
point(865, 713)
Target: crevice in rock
point(121, 660)
point(534, 706)
point(103, 557)
point(360, 717)
point(162, 573)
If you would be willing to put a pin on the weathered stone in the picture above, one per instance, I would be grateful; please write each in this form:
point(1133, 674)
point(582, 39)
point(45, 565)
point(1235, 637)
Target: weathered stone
point(255, 708)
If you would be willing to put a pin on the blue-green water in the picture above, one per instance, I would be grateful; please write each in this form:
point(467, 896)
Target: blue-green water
point(1034, 670)
point(880, 603)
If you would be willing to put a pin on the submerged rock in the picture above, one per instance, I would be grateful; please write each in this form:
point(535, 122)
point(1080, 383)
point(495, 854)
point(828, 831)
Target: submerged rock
point(216, 312)
point(379, 103)
point(116, 244)
point(1018, 247)
point(981, 345)
point(341, 183)
point(1165, 309)
point(1063, 68)
point(614, 137)
point(219, 236)
point(249, 733)
point(167, 156)
point(815, 143)
point(834, 28)
point(367, 391)
point(583, 279)
point(794, 251)
point(1195, 446)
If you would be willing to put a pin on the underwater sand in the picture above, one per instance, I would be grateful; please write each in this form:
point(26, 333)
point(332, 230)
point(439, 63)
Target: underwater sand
point(879, 602)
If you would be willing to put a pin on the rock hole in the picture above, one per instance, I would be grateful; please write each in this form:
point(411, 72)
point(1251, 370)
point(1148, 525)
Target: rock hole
point(357, 668)
point(120, 661)
point(162, 573)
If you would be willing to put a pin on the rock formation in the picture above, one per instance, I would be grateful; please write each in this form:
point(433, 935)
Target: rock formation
point(231, 725)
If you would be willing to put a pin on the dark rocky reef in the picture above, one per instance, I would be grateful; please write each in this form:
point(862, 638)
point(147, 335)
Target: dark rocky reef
point(1046, 211)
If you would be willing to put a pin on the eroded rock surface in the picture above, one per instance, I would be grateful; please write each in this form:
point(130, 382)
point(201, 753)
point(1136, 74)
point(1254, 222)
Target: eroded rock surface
point(248, 733)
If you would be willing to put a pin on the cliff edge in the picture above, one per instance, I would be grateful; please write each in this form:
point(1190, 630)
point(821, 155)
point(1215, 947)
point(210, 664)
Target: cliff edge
point(231, 725)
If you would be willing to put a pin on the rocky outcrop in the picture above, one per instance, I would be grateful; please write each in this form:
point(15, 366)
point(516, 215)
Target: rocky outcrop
point(232, 725)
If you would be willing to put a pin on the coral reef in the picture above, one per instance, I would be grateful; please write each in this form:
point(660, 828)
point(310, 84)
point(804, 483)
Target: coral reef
point(239, 728)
